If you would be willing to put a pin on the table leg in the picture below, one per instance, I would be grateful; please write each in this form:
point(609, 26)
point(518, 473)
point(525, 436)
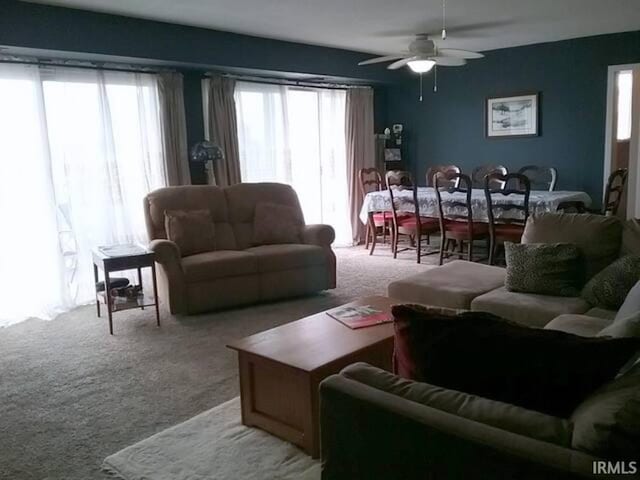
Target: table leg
point(96, 278)
point(374, 233)
point(155, 293)
point(140, 283)
point(107, 290)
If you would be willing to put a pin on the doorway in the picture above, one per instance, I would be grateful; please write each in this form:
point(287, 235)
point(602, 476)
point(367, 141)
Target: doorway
point(623, 132)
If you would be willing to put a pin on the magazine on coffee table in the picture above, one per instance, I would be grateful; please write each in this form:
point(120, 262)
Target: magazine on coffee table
point(124, 250)
point(360, 316)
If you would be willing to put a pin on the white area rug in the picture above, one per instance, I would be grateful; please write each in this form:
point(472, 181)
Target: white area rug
point(212, 446)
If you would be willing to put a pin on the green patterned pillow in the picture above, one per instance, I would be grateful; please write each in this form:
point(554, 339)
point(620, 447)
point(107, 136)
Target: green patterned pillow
point(609, 288)
point(544, 268)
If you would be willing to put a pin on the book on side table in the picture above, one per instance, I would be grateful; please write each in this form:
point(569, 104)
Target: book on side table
point(360, 316)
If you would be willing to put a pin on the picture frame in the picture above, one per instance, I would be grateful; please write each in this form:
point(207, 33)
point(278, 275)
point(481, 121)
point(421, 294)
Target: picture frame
point(515, 116)
point(392, 155)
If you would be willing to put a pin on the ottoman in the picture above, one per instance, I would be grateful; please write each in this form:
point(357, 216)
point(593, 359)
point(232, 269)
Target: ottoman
point(453, 285)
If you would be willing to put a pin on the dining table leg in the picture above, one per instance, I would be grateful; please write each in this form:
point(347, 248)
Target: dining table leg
point(372, 226)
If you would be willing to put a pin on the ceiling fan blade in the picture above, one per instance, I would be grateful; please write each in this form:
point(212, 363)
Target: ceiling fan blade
point(454, 52)
point(387, 58)
point(449, 61)
point(401, 63)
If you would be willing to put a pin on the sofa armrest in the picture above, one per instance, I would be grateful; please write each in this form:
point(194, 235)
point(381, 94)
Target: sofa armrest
point(172, 282)
point(167, 253)
point(371, 434)
point(321, 235)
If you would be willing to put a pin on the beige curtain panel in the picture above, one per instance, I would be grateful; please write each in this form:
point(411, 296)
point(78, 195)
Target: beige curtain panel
point(222, 127)
point(174, 128)
point(360, 149)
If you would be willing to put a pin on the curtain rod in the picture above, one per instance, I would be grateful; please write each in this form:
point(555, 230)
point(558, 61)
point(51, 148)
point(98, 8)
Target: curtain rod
point(115, 67)
point(286, 81)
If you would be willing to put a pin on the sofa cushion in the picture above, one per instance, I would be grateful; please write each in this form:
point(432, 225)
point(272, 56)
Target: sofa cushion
point(191, 230)
point(242, 199)
point(219, 264)
point(189, 197)
point(609, 288)
point(598, 237)
point(630, 237)
point(631, 303)
point(490, 412)
point(601, 313)
point(453, 285)
point(607, 423)
point(276, 224)
point(623, 327)
point(275, 258)
point(544, 268)
point(478, 353)
point(582, 325)
point(527, 308)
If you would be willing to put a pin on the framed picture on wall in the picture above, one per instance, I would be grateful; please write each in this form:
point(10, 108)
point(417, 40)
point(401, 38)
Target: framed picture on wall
point(508, 117)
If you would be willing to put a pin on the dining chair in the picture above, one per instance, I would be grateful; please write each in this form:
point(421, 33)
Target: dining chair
point(479, 174)
point(399, 178)
point(506, 218)
point(445, 169)
point(412, 225)
point(614, 191)
point(371, 181)
point(456, 214)
point(540, 178)
point(613, 195)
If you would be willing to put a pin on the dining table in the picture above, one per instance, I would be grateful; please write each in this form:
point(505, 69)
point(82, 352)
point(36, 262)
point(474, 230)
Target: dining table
point(539, 202)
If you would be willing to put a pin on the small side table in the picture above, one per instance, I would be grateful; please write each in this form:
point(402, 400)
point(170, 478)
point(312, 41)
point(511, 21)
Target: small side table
point(109, 264)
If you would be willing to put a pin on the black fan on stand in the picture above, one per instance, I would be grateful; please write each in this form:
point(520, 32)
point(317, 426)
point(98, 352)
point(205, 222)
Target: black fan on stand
point(207, 153)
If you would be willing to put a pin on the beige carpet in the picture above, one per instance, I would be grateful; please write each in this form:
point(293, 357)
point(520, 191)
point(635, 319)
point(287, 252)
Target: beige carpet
point(70, 394)
point(212, 446)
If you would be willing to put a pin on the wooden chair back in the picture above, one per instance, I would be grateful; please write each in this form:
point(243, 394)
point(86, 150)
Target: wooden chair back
point(540, 178)
point(480, 173)
point(454, 182)
point(614, 191)
point(403, 204)
point(445, 169)
point(399, 178)
point(512, 184)
point(370, 180)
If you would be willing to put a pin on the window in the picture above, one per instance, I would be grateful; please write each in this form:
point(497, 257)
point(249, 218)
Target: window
point(296, 136)
point(79, 149)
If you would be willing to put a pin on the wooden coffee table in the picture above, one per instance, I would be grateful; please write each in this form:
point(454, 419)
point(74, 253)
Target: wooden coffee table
point(281, 368)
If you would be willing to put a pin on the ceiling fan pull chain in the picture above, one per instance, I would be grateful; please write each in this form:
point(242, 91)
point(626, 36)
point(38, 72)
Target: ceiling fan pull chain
point(421, 87)
point(435, 78)
point(444, 27)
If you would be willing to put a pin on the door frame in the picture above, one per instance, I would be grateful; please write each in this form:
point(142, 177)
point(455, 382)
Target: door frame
point(633, 179)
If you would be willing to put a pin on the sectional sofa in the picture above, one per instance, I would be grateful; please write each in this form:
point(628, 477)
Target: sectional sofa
point(376, 425)
point(474, 286)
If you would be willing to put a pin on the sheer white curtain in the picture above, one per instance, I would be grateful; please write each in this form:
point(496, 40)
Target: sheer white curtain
point(296, 136)
point(79, 149)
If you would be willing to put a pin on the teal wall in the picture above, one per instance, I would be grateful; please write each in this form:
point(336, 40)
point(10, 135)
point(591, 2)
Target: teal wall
point(571, 76)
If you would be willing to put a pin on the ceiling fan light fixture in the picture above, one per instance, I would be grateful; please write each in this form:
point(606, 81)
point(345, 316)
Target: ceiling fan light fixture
point(421, 66)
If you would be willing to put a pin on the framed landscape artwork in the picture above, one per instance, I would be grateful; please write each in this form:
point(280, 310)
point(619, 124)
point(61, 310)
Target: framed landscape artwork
point(512, 116)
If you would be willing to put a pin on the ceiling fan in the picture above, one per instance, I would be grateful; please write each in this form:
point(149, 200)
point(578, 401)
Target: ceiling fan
point(424, 54)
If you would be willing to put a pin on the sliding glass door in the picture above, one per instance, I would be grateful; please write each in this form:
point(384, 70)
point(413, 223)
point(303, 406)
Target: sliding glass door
point(296, 136)
point(79, 149)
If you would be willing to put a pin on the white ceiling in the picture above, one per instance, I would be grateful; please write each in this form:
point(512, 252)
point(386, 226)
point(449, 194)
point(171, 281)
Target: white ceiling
point(385, 26)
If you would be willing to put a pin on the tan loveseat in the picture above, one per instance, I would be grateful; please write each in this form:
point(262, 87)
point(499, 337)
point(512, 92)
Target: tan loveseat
point(465, 285)
point(236, 271)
